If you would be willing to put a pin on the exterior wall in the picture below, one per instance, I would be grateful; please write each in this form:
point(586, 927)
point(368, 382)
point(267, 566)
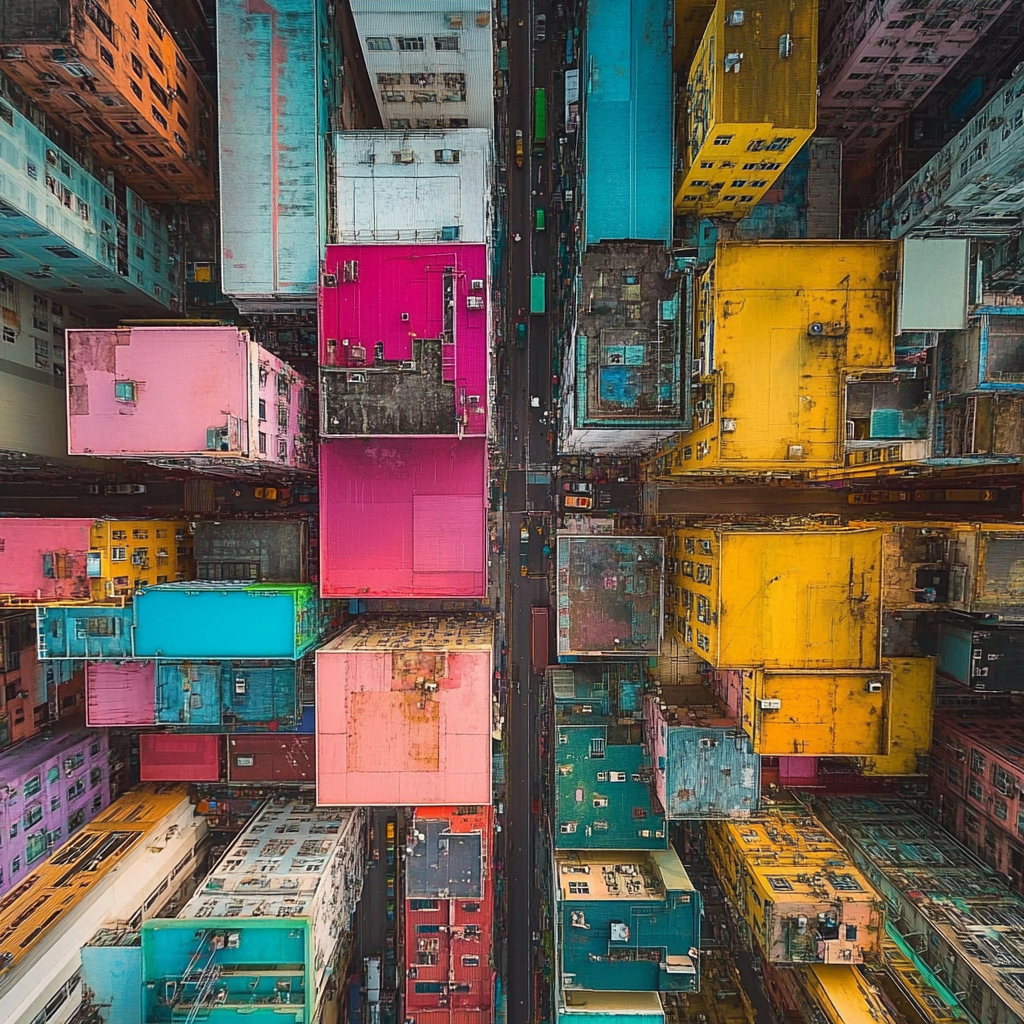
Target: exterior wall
point(84, 632)
point(420, 195)
point(911, 701)
point(627, 84)
point(358, 316)
point(60, 911)
point(797, 915)
point(866, 91)
point(778, 598)
point(792, 285)
point(744, 128)
point(272, 759)
point(166, 757)
point(65, 229)
point(52, 787)
point(404, 713)
point(175, 392)
point(120, 693)
point(403, 518)
point(430, 67)
point(276, 93)
point(161, 142)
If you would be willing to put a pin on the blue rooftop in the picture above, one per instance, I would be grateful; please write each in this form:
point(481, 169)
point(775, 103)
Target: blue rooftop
point(628, 120)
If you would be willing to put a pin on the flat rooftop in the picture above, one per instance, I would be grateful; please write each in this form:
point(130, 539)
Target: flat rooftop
point(412, 186)
point(628, 117)
point(610, 595)
point(404, 712)
point(444, 864)
point(45, 559)
point(403, 517)
point(403, 340)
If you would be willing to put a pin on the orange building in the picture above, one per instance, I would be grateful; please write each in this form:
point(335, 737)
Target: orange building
point(110, 73)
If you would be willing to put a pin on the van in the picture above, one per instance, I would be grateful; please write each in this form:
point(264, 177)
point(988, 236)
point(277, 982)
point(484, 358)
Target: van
point(540, 220)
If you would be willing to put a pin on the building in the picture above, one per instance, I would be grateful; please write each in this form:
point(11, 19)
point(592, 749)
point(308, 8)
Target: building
point(911, 703)
point(749, 106)
point(866, 91)
point(430, 67)
point(796, 889)
point(52, 786)
point(404, 517)
point(404, 712)
point(45, 561)
point(603, 789)
point(272, 758)
point(121, 867)
point(590, 1007)
point(209, 398)
point(85, 632)
point(120, 693)
point(449, 917)
point(840, 406)
point(169, 757)
point(119, 84)
point(404, 338)
point(261, 550)
point(627, 117)
point(66, 231)
point(276, 94)
point(610, 594)
point(622, 379)
point(411, 186)
point(704, 765)
point(245, 952)
point(940, 899)
point(986, 656)
point(976, 777)
point(625, 923)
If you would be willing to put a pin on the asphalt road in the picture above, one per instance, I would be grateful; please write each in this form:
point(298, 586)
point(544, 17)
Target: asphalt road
point(528, 451)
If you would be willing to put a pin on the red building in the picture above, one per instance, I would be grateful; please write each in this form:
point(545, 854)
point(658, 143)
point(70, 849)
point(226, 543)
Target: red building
point(449, 892)
point(977, 786)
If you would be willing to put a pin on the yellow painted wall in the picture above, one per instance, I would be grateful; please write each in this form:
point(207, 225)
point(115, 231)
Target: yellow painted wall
point(822, 714)
point(910, 717)
point(773, 395)
point(139, 553)
point(743, 127)
point(787, 598)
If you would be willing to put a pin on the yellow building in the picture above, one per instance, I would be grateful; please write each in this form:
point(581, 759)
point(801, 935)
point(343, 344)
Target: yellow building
point(911, 698)
point(792, 599)
point(780, 330)
point(796, 889)
point(138, 553)
point(750, 104)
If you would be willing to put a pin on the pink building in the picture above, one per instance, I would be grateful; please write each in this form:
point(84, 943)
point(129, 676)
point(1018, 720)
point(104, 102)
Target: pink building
point(403, 712)
point(120, 693)
point(174, 757)
point(207, 397)
point(46, 560)
point(403, 517)
point(403, 340)
point(879, 61)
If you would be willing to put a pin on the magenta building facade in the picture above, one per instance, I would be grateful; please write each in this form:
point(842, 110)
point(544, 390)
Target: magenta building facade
point(881, 58)
point(50, 786)
point(209, 398)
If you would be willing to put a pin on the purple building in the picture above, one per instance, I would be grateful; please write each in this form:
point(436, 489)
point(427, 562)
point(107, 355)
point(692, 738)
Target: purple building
point(50, 786)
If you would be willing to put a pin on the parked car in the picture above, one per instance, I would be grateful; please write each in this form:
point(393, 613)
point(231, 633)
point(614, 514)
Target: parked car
point(578, 487)
point(266, 493)
point(541, 28)
point(521, 334)
point(391, 911)
point(559, 10)
point(125, 489)
point(578, 501)
point(389, 947)
point(391, 884)
point(519, 147)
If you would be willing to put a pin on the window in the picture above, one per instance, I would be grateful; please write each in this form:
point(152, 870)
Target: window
point(780, 144)
point(977, 762)
point(157, 116)
point(745, 199)
point(845, 882)
point(282, 417)
point(703, 573)
point(282, 448)
point(95, 777)
point(55, 803)
point(446, 42)
point(780, 884)
point(154, 24)
point(155, 58)
point(77, 820)
point(429, 987)
point(1002, 780)
point(35, 846)
point(703, 643)
point(34, 814)
point(118, 554)
point(410, 42)
point(263, 410)
point(125, 391)
point(423, 905)
point(703, 609)
point(53, 775)
point(378, 43)
point(32, 786)
point(15, 865)
point(974, 789)
point(1000, 809)
point(106, 56)
point(97, 802)
point(159, 92)
point(471, 961)
point(723, 140)
point(263, 443)
point(687, 569)
point(14, 831)
point(471, 908)
point(76, 789)
point(739, 183)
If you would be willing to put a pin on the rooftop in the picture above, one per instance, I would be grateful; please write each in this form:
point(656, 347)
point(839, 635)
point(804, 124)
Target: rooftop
point(443, 864)
point(120, 693)
point(404, 712)
point(46, 559)
point(412, 186)
point(610, 595)
point(30, 754)
point(998, 736)
point(403, 517)
point(628, 115)
point(251, 549)
point(403, 340)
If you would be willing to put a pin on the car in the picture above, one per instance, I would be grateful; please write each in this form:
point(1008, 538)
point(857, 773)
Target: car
point(578, 501)
point(391, 832)
point(520, 152)
point(521, 334)
point(266, 493)
point(559, 10)
point(540, 221)
point(578, 487)
point(389, 947)
point(390, 909)
point(391, 884)
point(391, 856)
point(125, 489)
point(540, 28)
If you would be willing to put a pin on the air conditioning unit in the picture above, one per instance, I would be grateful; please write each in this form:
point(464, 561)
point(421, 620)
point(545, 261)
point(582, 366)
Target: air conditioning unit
point(602, 776)
point(600, 801)
point(770, 704)
point(218, 439)
point(328, 280)
point(795, 451)
point(405, 318)
point(404, 156)
point(874, 686)
point(616, 776)
point(728, 426)
point(356, 378)
point(474, 302)
point(476, 284)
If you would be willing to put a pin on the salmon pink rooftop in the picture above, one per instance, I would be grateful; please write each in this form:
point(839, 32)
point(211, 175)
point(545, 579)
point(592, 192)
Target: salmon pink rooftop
point(403, 517)
point(45, 559)
point(404, 340)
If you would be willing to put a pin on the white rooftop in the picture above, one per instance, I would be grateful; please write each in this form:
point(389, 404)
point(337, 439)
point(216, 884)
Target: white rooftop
point(409, 186)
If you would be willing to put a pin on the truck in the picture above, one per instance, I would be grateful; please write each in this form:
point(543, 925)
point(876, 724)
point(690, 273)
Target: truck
point(371, 969)
point(539, 637)
point(538, 293)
